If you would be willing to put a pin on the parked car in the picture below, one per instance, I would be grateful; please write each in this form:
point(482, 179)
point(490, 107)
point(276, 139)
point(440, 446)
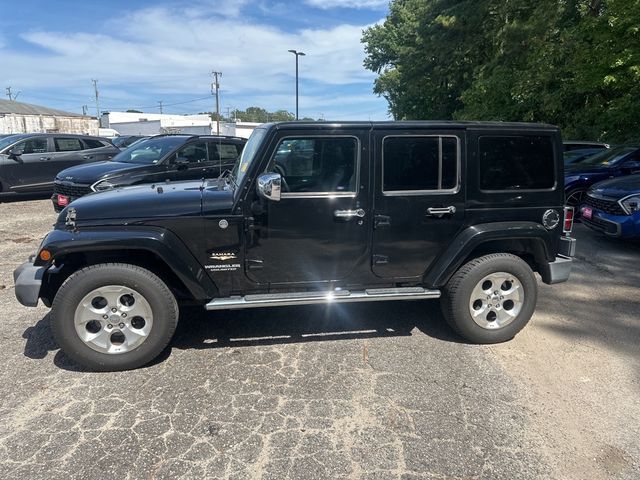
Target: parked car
point(125, 141)
point(581, 145)
point(576, 156)
point(156, 159)
point(614, 162)
point(314, 213)
point(613, 207)
point(30, 162)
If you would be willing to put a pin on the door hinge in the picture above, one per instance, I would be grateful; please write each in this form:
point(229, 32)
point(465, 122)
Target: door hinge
point(381, 221)
point(252, 264)
point(380, 259)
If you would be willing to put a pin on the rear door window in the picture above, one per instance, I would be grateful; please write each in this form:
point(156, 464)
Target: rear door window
point(516, 162)
point(67, 144)
point(416, 164)
point(194, 152)
point(226, 152)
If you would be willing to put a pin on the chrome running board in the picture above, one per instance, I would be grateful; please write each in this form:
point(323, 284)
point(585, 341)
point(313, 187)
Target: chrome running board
point(310, 298)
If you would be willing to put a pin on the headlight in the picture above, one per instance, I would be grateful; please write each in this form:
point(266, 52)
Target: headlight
point(101, 186)
point(630, 204)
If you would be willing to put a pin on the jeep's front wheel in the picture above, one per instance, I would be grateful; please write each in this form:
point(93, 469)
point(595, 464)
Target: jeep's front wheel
point(491, 298)
point(113, 316)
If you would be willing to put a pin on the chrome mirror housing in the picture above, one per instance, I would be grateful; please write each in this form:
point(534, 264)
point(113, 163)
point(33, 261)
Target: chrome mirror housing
point(269, 186)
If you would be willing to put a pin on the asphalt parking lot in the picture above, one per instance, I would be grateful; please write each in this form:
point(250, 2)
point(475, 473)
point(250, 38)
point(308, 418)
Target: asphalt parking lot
point(381, 391)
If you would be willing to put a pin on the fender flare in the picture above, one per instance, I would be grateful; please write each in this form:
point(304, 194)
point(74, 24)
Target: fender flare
point(162, 242)
point(472, 237)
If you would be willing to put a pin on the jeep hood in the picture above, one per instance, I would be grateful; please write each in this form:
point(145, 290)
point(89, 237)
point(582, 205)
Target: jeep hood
point(161, 200)
point(90, 173)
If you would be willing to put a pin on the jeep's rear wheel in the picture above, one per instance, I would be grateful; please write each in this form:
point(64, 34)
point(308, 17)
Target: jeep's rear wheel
point(113, 316)
point(491, 298)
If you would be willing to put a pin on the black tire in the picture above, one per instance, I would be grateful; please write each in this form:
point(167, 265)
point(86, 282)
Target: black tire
point(457, 295)
point(159, 297)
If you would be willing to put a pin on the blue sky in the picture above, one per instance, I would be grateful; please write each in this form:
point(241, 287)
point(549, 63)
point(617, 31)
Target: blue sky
point(142, 52)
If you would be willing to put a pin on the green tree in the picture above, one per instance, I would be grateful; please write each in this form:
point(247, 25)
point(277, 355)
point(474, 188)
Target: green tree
point(575, 63)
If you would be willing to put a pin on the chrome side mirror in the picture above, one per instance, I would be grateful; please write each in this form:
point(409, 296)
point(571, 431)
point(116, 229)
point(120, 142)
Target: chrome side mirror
point(269, 186)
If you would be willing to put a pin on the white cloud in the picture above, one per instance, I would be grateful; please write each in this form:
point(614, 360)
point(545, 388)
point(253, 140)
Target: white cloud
point(363, 4)
point(172, 51)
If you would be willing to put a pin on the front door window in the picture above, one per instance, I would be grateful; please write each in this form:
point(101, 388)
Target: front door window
point(312, 166)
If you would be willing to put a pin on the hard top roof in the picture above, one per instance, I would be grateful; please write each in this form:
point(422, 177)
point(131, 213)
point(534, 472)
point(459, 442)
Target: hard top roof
point(409, 124)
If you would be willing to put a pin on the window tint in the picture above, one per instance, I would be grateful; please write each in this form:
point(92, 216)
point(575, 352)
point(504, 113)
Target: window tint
point(32, 145)
point(420, 163)
point(225, 152)
point(67, 144)
point(194, 152)
point(91, 143)
point(516, 163)
point(317, 165)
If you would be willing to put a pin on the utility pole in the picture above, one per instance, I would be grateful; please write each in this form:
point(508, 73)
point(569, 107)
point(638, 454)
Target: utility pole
point(228, 113)
point(160, 106)
point(95, 89)
point(84, 109)
point(216, 85)
point(10, 95)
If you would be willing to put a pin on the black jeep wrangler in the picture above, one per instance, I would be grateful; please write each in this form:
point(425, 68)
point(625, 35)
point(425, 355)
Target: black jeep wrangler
point(314, 213)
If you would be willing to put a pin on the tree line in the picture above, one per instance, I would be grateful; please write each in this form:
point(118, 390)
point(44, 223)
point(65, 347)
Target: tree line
point(255, 114)
point(573, 63)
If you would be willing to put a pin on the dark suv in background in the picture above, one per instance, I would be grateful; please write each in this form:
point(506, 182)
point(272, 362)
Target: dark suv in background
point(30, 162)
point(157, 159)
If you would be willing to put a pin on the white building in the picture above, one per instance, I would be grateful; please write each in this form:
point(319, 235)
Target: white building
point(130, 123)
point(19, 117)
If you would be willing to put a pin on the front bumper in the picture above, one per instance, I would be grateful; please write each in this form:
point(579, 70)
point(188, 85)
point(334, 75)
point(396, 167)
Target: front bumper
point(619, 226)
point(56, 207)
point(28, 280)
point(70, 190)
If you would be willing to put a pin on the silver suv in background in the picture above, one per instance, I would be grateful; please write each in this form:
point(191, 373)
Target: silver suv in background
point(29, 162)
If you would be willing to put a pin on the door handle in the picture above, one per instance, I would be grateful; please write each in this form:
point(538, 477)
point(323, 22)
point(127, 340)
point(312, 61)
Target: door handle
point(440, 211)
point(349, 214)
point(44, 159)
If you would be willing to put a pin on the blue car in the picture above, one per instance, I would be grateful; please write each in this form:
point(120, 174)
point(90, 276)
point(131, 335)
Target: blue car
point(611, 163)
point(613, 207)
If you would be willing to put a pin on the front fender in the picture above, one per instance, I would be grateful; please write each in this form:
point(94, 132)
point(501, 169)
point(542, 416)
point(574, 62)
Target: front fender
point(475, 236)
point(159, 241)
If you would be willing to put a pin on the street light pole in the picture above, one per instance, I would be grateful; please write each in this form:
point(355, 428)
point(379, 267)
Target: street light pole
point(297, 54)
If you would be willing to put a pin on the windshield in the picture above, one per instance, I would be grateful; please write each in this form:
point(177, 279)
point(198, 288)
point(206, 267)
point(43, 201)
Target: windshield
point(608, 157)
point(151, 150)
point(248, 154)
point(6, 141)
